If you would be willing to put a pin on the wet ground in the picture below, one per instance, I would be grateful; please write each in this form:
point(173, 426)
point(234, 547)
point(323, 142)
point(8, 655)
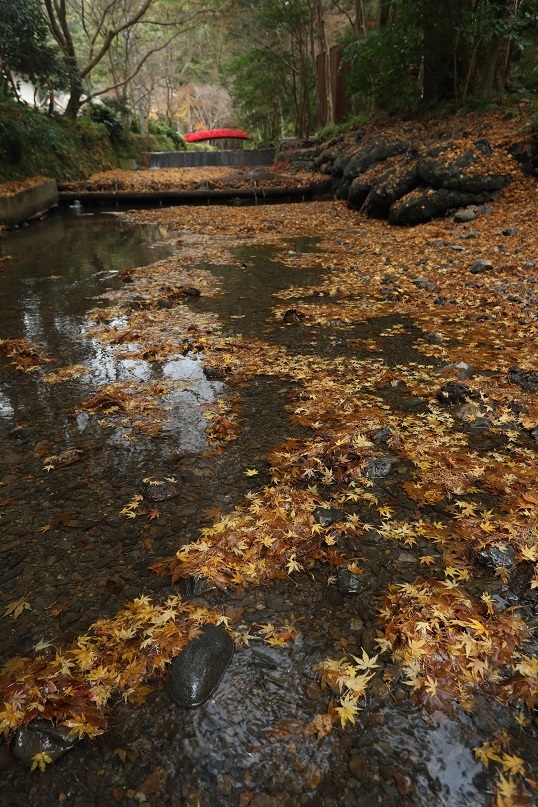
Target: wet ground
point(69, 553)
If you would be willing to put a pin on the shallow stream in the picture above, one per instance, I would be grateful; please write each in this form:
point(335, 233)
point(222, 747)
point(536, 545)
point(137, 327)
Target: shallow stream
point(90, 560)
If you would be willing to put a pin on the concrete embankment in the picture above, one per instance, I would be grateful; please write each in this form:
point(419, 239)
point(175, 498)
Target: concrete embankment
point(26, 203)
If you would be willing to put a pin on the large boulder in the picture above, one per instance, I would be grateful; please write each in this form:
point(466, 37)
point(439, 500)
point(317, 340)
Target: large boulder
point(424, 204)
point(398, 177)
point(469, 171)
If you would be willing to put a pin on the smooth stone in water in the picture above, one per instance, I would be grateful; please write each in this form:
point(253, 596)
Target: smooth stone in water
point(159, 489)
point(325, 516)
point(378, 467)
point(42, 737)
point(195, 674)
point(349, 584)
point(496, 556)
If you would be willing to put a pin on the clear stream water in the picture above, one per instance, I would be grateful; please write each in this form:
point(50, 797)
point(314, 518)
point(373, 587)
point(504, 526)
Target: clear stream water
point(244, 738)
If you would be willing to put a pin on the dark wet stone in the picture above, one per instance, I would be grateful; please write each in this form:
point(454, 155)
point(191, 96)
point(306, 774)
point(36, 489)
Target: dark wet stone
point(454, 393)
point(484, 145)
point(464, 173)
point(42, 736)
point(193, 586)
point(334, 597)
point(465, 215)
point(481, 424)
point(349, 584)
point(268, 657)
point(520, 583)
point(426, 285)
point(509, 231)
point(194, 675)
point(494, 556)
point(358, 192)
point(480, 266)
point(325, 516)
point(466, 412)
point(214, 373)
point(527, 380)
point(292, 316)
point(383, 435)
point(424, 204)
point(378, 467)
point(158, 489)
point(398, 178)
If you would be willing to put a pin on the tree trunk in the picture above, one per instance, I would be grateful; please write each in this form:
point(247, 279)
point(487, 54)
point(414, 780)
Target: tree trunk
point(75, 102)
point(492, 59)
point(360, 18)
point(385, 7)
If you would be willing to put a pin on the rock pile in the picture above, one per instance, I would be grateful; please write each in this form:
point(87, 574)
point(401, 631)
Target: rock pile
point(407, 175)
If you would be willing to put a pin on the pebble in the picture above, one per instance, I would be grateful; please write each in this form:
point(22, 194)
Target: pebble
point(480, 266)
point(159, 489)
point(349, 584)
point(464, 215)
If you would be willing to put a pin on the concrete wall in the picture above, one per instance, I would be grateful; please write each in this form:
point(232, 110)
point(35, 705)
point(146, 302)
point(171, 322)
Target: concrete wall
point(197, 159)
point(23, 205)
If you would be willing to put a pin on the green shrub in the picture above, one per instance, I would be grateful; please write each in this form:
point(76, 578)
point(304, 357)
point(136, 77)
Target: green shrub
point(168, 136)
point(106, 114)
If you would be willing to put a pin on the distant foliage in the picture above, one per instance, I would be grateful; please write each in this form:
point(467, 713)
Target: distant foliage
point(165, 132)
point(434, 51)
point(106, 114)
point(25, 48)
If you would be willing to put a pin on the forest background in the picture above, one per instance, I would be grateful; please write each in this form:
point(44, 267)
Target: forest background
point(114, 78)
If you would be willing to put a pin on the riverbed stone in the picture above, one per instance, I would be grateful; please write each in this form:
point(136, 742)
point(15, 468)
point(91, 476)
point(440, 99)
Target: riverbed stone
point(42, 736)
point(161, 488)
point(378, 467)
point(526, 379)
point(196, 672)
point(496, 556)
point(480, 266)
point(326, 516)
point(464, 216)
point(349, 584)
point(454, 393)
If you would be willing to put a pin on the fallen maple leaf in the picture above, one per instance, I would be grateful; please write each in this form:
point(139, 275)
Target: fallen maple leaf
point(15, 609)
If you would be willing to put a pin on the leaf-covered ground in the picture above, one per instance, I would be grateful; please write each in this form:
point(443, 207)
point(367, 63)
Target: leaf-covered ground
point(168, 179)
point(391, 515)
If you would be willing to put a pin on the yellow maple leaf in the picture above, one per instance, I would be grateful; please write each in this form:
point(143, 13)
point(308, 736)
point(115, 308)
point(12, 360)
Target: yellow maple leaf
point(40, 761)
point(347, 710)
